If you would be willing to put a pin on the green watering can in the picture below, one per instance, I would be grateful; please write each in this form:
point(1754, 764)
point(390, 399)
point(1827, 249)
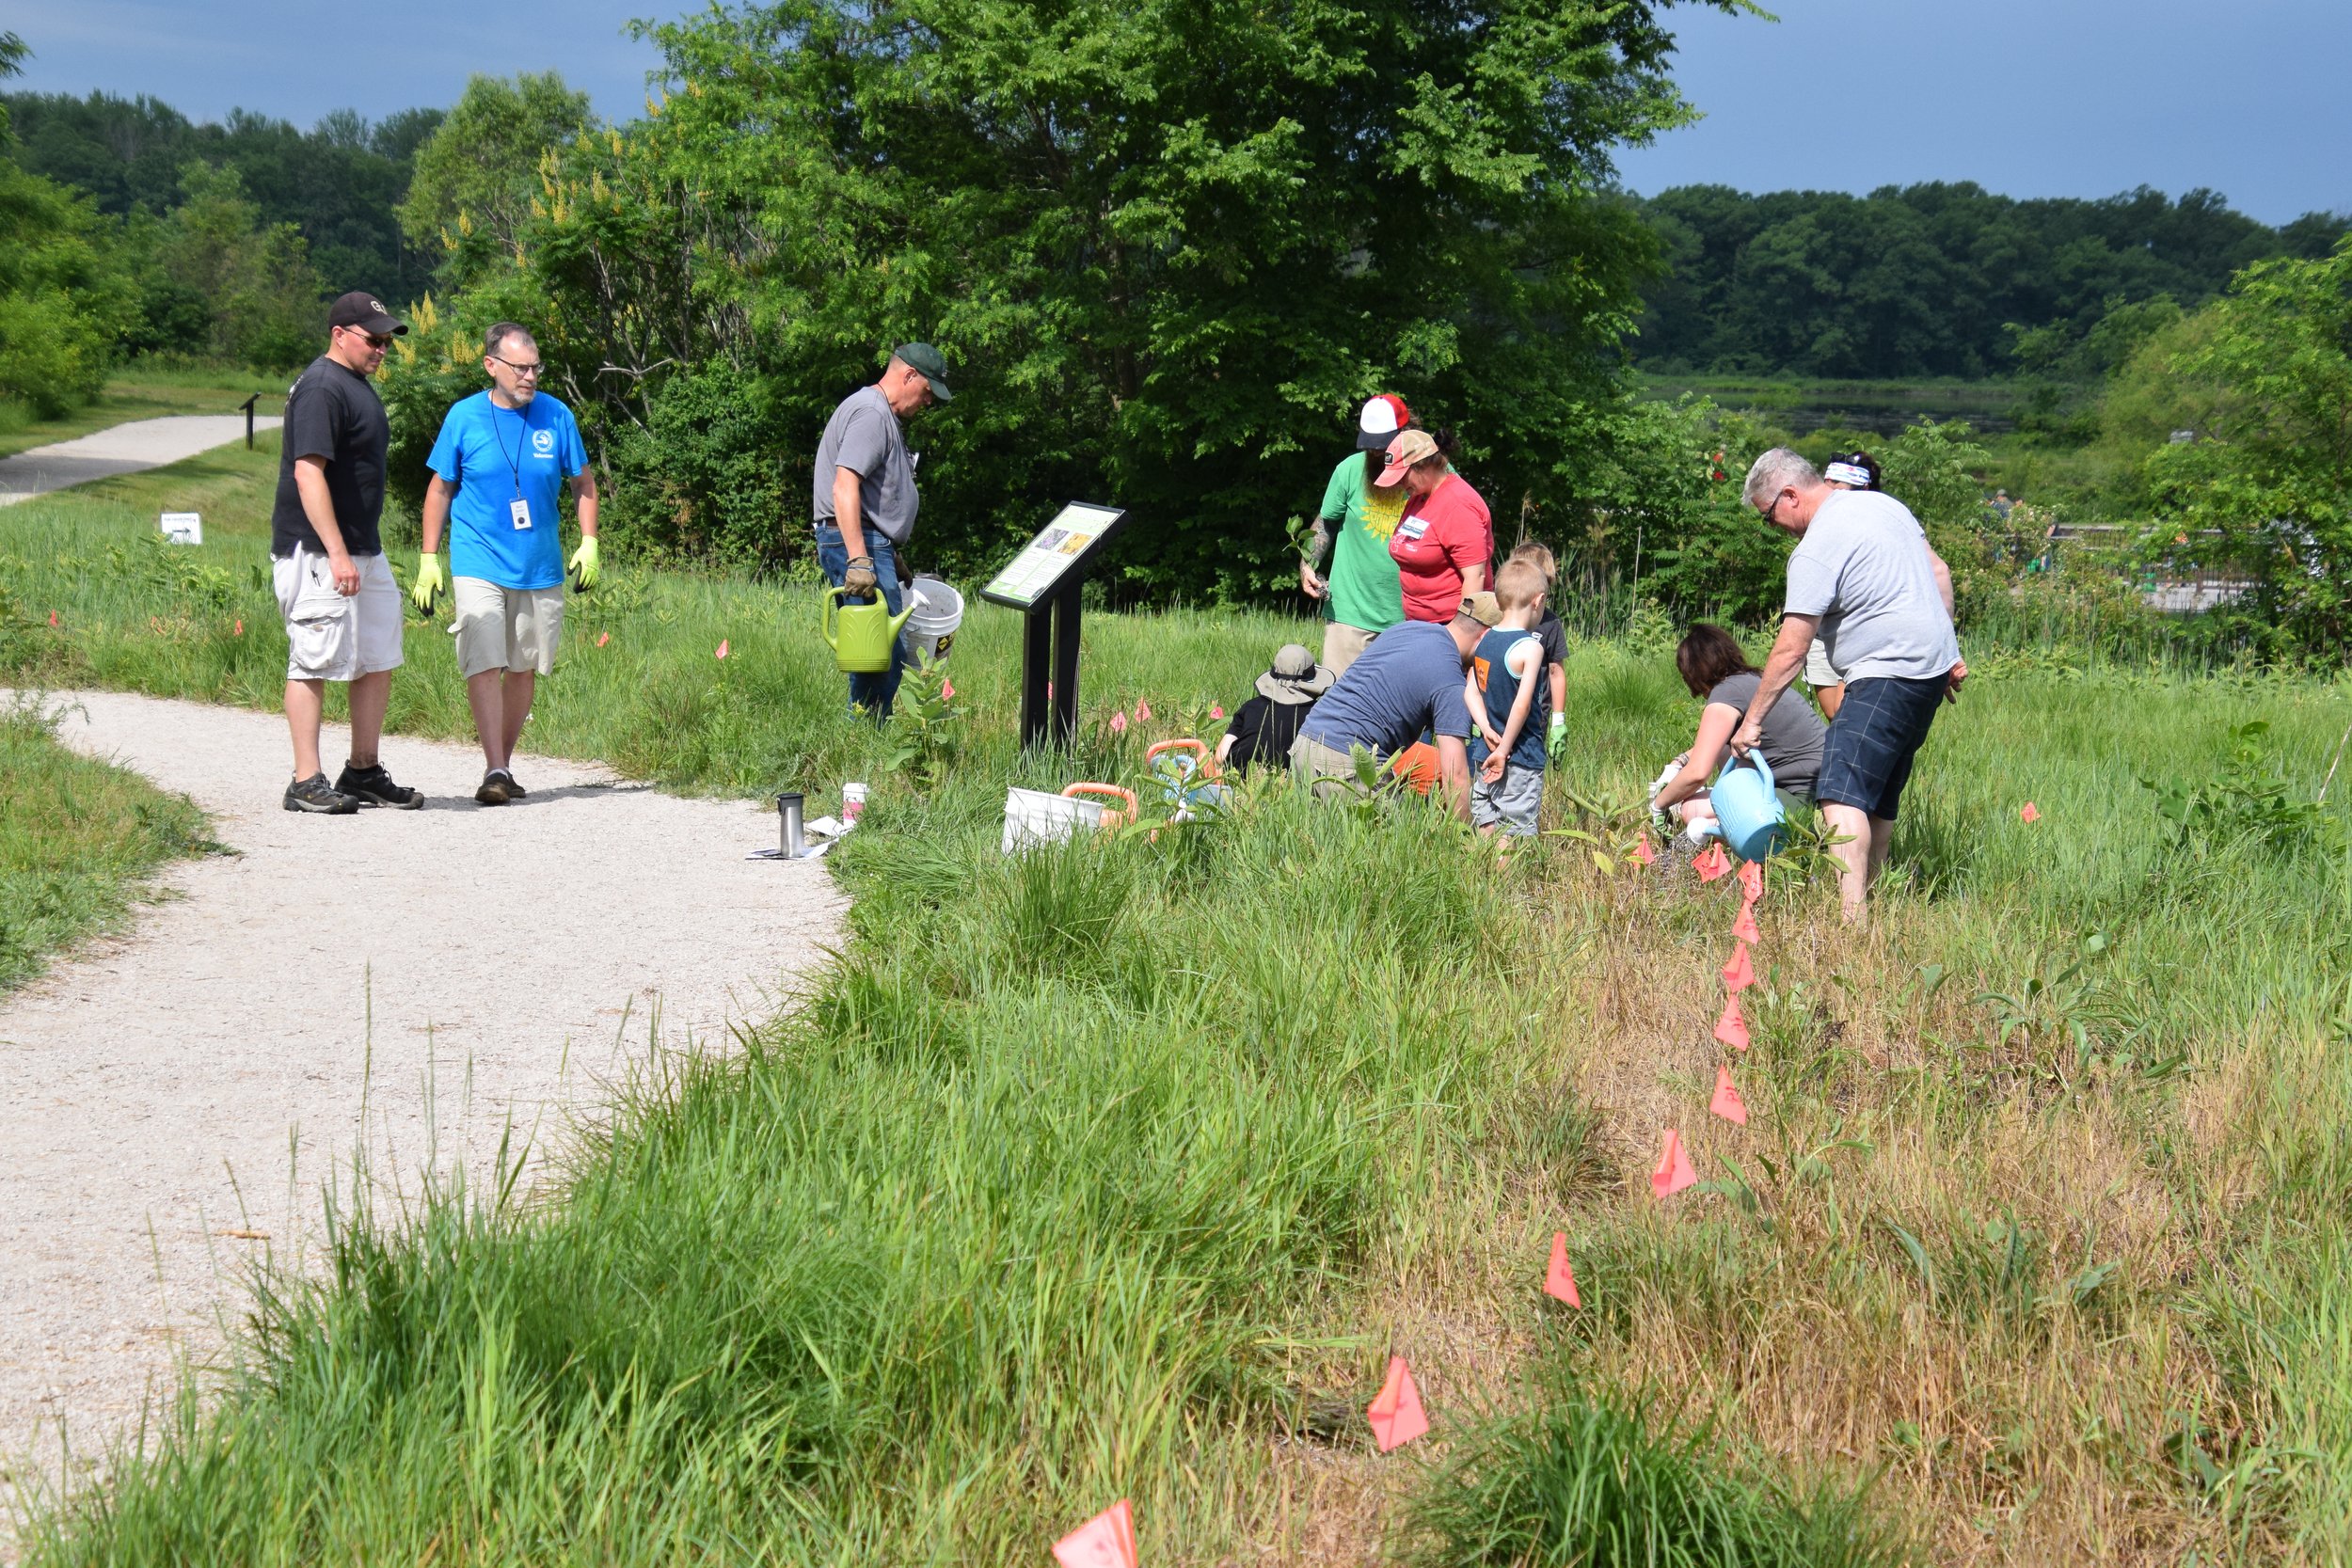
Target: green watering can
point(861, 635)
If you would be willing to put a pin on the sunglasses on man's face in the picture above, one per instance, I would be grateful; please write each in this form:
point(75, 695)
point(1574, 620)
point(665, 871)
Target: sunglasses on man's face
point(375, 340)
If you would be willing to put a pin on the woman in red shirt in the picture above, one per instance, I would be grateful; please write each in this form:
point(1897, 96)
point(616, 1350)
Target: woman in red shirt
point(1445, 539)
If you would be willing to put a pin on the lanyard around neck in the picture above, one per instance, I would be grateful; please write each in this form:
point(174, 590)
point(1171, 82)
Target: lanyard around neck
point(522, 439)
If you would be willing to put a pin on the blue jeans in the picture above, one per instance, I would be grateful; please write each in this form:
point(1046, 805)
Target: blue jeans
point(873, 692)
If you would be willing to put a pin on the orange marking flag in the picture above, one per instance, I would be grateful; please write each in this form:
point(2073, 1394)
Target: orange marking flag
point(240, 631)
point(1143, 711)
point(723, 649)
point(1739, 974)
point(1642, 850)
point(602, 638)
point(1744, 927)
point(1105, 1541)
point(52, 619)
point(1711, 863)
point(1674, 1171)
point(1751, 882)
point(1731, 1028)
point(1560, 1279)
point(2029, 813)
point(1727, 1104)
point(1396, 1413)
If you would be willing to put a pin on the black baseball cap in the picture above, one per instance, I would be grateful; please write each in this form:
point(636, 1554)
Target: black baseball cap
point(926, 362)
point(365, 311)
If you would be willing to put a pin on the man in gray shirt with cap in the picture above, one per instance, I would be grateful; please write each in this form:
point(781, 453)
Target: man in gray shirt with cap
point(865, 500)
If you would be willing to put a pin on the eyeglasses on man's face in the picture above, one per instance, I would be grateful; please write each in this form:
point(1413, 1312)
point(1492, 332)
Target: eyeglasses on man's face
point(528, 373)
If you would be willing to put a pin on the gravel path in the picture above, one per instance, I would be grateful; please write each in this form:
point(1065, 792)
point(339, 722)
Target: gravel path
point(123, 448)
point(172, 1104)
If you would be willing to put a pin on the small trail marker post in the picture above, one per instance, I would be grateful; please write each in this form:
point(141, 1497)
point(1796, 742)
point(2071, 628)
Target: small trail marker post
point(1044, 582)
point(248, 406)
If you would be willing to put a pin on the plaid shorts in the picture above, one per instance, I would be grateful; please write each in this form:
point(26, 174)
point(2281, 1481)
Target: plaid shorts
point(1872, 740)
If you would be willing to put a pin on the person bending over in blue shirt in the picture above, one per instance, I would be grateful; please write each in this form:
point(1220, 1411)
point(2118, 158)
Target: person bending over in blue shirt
point(497, 466)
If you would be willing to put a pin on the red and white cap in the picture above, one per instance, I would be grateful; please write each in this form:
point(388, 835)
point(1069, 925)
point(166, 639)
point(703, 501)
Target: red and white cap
point(1382, 418)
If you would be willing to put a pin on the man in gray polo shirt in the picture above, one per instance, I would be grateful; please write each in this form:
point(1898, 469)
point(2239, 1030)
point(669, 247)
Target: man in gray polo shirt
point(1864, 579)
point(865, 500)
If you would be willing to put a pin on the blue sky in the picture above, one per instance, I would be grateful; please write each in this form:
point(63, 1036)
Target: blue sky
point(2026, 97)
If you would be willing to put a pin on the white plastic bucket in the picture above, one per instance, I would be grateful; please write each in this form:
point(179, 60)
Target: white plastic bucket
point(936, 611)
point(1034, 817)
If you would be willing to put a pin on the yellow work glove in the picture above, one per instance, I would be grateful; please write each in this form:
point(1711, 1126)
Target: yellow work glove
point(430, 584)
point(584, 565)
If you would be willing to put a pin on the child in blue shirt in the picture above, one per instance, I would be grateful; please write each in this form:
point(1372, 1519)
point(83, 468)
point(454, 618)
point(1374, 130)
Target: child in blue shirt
point(1510, 705)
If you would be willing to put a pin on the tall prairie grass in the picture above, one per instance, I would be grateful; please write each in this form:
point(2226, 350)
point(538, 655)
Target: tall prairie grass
point(1121, 1169)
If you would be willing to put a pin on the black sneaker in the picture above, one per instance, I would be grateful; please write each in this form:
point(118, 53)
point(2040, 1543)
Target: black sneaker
point(315, 794)
point(497, 787)
point(371, 787)
point(514, 790)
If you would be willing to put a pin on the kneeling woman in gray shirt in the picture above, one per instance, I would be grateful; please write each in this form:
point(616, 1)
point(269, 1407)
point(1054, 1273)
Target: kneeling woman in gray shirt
point(1714, 667)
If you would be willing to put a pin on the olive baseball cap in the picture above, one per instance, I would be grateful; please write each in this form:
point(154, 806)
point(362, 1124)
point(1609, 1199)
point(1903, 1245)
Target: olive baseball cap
point(926, 362)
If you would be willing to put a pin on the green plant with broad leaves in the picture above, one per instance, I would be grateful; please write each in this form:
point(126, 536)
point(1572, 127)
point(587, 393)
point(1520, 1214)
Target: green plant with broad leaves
point(2247, 801)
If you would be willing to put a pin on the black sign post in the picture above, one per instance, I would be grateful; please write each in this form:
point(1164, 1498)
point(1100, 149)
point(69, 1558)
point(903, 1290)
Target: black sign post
point(1044, 583)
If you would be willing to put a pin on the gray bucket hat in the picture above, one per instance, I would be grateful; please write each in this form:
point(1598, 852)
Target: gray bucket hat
point(1295, 676)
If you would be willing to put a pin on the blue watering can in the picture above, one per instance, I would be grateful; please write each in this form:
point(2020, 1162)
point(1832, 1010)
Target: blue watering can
point(1748, 813)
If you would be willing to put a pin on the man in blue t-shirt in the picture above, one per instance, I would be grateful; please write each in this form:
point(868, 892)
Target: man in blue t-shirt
point(1409, 682)
point(497, 468)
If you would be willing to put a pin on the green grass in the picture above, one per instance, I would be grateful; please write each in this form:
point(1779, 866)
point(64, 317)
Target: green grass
point(144, 392)
point(80, 842)
point(1582, 1480)
point(1099, 1173)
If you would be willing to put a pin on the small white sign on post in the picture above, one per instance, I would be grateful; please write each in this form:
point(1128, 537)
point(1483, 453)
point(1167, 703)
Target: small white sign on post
point(183, 527)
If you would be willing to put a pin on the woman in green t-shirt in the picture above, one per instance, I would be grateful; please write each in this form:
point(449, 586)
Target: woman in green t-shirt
point(1357, 518)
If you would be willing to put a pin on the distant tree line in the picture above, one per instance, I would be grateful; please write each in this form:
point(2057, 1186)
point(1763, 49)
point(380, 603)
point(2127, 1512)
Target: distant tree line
point(339, 183)
point(1928, 280)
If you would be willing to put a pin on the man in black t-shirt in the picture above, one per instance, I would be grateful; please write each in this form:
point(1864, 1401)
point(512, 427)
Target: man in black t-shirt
point(341, 608)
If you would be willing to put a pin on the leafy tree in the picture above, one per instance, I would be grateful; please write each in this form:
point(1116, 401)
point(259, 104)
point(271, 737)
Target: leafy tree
point(478, 175)
point(2263, 486)
point(61, 303)
point(216, 281)
point(1168, 249)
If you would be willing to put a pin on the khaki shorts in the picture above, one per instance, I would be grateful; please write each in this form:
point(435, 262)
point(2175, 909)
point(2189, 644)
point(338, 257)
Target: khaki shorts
point(330, 637)
point(1818, 672)
point(1330, 774)
point(511, 629)
point(1344, 644)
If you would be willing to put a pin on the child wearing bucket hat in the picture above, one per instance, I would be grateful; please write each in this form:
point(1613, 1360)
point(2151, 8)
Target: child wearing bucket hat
point(1264, 726)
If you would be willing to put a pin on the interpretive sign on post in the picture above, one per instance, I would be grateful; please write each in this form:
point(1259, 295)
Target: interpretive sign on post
point(1044, 583)
point(183, 527)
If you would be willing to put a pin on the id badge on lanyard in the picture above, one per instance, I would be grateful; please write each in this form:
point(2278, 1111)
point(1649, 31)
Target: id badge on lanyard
point(520, 510)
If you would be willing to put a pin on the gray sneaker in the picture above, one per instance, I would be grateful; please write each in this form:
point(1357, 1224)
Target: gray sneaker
point(314, 794)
